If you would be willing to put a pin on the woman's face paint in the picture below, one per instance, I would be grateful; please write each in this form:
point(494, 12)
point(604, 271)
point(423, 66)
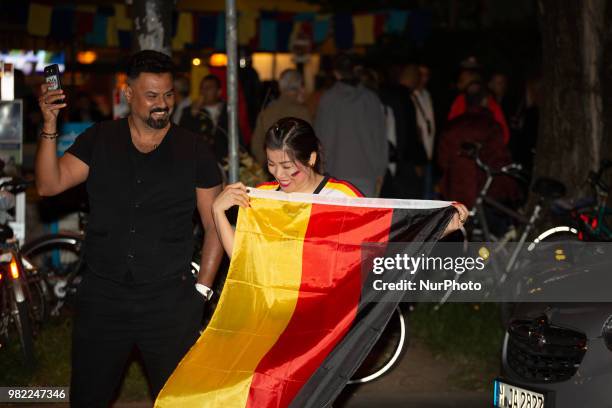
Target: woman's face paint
point(293, 177)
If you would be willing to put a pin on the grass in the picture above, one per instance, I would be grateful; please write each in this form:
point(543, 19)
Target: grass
point(468, 335)
point(52, 348)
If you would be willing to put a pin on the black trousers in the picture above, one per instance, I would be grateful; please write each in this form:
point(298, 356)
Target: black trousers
point(161, 319)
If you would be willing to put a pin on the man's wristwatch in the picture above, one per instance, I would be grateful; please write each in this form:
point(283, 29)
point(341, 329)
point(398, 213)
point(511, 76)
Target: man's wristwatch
point(204, 290)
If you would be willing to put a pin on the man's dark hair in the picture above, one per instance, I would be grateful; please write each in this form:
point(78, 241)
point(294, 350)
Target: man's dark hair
point(211, 77)
point(344, 65)
point(150, 61)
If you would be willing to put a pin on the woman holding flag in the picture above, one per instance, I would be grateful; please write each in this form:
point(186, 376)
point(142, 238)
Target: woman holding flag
point(295, 317)
point(295, 160)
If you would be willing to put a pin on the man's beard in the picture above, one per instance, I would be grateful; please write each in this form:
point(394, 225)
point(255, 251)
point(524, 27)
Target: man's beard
point(158, 123)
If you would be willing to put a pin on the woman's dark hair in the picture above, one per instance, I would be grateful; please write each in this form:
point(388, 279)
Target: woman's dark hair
point(297, 138)
point(149, 61)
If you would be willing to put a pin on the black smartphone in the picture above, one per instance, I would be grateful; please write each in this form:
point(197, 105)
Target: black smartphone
point(52, 77)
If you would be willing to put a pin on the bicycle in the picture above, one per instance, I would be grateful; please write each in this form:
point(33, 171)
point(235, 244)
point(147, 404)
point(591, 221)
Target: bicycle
point(587, 216)
point(22, 293)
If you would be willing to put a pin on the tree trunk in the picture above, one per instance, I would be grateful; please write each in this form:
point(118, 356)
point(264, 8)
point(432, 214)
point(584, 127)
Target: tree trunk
point(571, 124)
point(153, 25)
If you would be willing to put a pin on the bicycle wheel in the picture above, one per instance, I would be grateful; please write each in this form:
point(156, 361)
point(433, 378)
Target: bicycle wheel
point(23, 324)
point(387, 351)
point(57, 261)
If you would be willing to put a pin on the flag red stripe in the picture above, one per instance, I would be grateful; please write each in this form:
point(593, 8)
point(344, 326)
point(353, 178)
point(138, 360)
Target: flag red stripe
point(327, 303)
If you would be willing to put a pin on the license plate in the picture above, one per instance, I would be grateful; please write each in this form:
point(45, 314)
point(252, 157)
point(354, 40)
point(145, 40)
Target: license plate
point(511, 396)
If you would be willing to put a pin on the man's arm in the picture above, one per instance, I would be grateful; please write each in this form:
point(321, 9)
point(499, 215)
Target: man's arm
point(211, 246)
point(54, 175)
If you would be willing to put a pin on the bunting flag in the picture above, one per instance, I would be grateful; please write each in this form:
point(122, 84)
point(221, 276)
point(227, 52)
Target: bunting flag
point(396, 22)
point(267, 34)
point(122, 21)
point(112, 35)
point(271, 31)
point(247, 26)
point(39, 20)
point(184, 31)
point(321, 28)
point(364, 29)
point(220, 33)
point(296, 316)
point(61, 23)
point(98, 35)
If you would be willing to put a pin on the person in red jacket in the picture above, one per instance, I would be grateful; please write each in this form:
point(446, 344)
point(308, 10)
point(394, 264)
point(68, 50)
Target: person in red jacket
point(461, 178)
point(460, 106)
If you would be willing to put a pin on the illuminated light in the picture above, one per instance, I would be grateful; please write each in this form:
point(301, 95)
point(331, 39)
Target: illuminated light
point(196, 62)
point(218, 60)
point(484, 253)
point(86, 57)
point(14, 269)
point(594, 223)
point(559, 255)
point(242, 62)
point(0, 276)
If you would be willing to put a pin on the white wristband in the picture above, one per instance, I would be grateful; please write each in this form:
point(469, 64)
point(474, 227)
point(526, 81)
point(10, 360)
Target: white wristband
point(204, 290)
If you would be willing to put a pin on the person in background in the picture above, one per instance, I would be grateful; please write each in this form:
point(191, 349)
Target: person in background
point(294, 158)
point(183, 100)
point(84, 110)
point(370, 79)
point(251, 86)
point(207, 116)
point(461, 178)
point(498, 86)
point(459, 105)
point(323, 81)
point(350, 123)
point(525, 124)
point(427, 126)
point(290, 103)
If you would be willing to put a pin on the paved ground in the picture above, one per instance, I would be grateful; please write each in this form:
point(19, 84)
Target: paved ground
point(419, 381)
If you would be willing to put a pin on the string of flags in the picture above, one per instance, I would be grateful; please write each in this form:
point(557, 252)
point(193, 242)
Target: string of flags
point(110, 26)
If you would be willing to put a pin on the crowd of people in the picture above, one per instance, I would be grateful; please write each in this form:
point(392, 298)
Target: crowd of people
point(384, 131)
point(381, 129)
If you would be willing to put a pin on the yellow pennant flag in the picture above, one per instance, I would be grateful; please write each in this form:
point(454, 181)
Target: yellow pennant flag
point(364, 29)
point(122, 21)
point(112, 37)
point(247, 26)
point(39, 20)
point(184, 31)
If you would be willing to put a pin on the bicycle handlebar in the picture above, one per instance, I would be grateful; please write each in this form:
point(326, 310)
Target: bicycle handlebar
point(14, 185)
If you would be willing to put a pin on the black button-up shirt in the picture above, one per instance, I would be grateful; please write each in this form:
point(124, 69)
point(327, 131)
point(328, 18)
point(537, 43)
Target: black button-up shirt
point(140, 225)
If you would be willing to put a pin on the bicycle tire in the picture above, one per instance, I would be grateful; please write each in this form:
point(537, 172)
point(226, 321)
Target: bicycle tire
point(54, 256)
point(387, 351)
point(23, 324)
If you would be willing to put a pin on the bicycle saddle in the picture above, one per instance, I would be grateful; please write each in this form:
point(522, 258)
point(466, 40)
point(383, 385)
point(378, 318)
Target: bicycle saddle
point(548, 188)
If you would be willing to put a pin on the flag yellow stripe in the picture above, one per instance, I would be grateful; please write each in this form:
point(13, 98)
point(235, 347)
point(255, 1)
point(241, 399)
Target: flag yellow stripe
point(253, 311)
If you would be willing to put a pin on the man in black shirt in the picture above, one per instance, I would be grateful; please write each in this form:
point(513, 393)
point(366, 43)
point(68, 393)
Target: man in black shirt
point(144, 178)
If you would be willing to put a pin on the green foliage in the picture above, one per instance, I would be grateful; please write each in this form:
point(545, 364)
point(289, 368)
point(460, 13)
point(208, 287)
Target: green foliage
point(469, 335)
point(52, 348)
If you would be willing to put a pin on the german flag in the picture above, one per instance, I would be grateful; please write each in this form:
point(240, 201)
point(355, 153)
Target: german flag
point(296, 316)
